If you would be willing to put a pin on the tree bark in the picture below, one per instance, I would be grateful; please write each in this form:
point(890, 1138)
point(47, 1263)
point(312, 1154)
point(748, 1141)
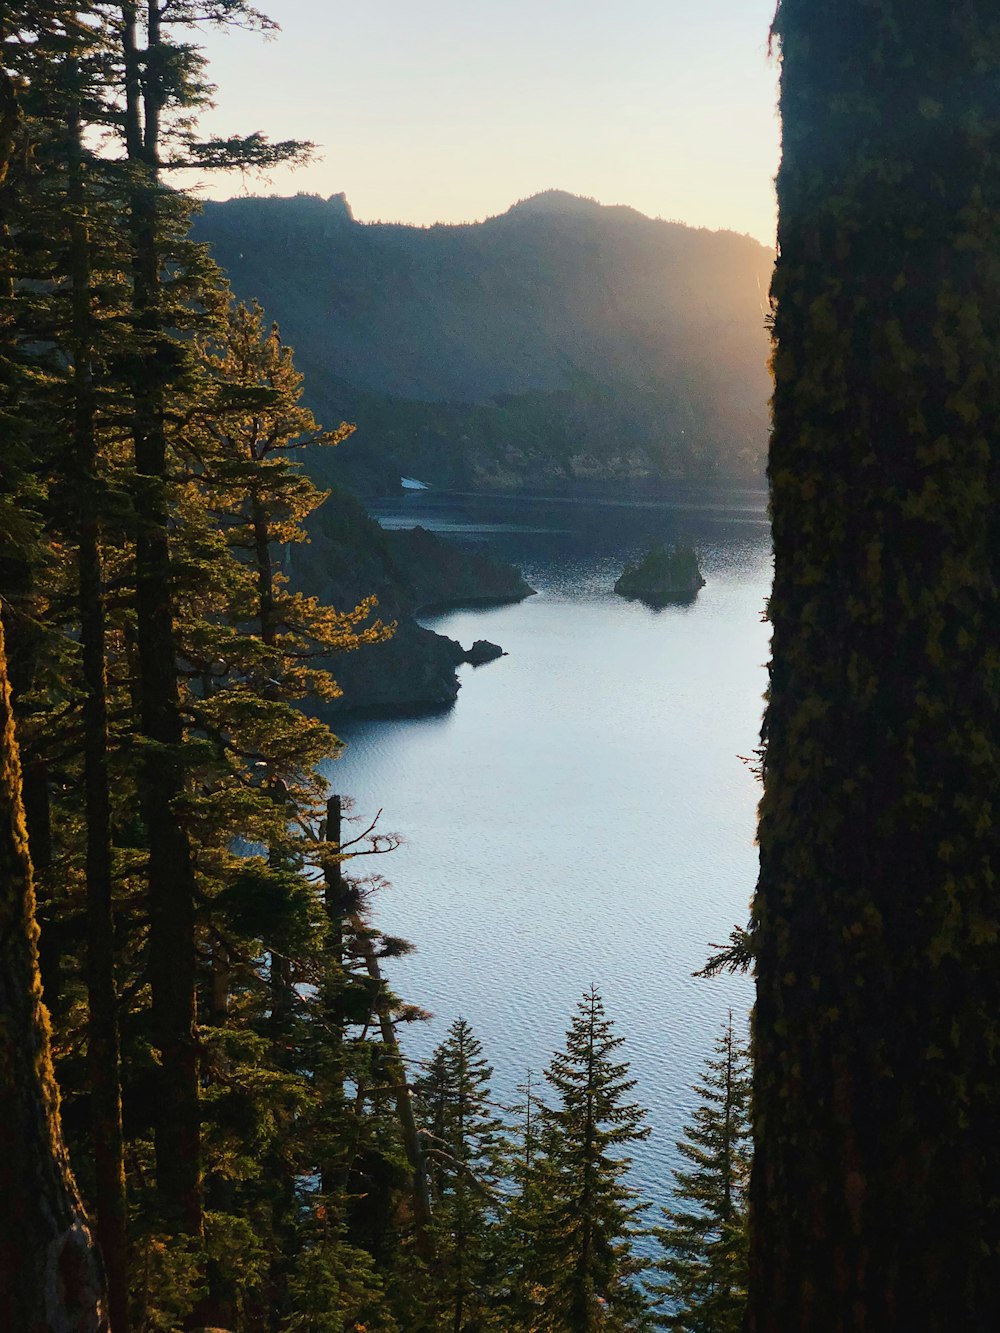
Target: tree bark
point(50, 1273)
point(876, 1181)
point(103, 1045)
point(162, 779)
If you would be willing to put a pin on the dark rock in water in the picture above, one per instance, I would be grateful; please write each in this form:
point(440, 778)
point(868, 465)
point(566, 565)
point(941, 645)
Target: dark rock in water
point(349, 557)
point(663, 576)
point(483, 651)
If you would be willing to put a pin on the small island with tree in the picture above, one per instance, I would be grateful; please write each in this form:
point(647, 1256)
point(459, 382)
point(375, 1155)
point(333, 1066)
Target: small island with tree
point(663, 576)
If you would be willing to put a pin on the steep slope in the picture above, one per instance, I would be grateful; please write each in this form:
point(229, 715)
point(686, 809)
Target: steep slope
point(561, 339)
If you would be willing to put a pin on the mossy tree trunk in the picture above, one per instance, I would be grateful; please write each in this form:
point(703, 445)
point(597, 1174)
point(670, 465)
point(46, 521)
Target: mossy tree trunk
point(50, 1274)
point(876, 1184)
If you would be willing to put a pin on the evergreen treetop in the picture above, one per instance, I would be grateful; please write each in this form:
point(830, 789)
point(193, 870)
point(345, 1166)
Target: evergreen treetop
point(705, 1232)
point(589, 1216)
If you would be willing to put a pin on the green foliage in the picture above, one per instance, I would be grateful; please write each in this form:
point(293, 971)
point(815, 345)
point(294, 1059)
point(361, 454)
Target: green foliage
point(462, 1144)
point(244, 1070)
point(581, 1269)
point(705, 1235)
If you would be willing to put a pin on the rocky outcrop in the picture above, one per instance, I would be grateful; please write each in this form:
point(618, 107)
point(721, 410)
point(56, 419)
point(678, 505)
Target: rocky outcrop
point(663, 576)
point(349, 557)
point(414, 672)
point(482, 651)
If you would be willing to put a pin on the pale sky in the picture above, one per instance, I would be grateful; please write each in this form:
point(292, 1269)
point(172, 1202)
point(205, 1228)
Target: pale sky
point(451, 110)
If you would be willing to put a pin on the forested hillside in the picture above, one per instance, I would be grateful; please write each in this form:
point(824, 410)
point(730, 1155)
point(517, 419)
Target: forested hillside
point(560, 340)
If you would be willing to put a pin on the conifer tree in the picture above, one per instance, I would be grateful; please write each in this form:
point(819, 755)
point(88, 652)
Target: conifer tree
point(462, 1137)
point(875, 1195)
point(52, 52)
point(705, 1236)
point(523, 1270)
point(588, 1215)
point(161, 86)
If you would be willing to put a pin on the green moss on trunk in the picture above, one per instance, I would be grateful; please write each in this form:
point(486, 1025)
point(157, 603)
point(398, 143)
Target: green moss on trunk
point(50, 1276)
point(876, 1191)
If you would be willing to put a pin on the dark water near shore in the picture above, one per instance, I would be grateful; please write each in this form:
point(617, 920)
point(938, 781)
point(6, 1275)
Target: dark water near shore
point(582, 814)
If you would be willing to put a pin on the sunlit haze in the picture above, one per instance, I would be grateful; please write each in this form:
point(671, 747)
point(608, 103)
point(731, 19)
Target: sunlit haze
point(451, 110)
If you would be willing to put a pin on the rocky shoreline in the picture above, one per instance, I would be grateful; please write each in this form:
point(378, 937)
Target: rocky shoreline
point(412, 572)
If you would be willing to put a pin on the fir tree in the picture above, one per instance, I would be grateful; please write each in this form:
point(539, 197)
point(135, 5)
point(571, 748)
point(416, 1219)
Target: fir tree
point(588, 1215)
point(705, 1236)
point(523, 1282)
point(462, 1136)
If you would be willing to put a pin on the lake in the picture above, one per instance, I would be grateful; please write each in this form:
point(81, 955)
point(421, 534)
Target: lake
point(583, 813)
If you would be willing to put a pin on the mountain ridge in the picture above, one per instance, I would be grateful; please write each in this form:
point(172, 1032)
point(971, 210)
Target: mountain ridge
point(558, 340)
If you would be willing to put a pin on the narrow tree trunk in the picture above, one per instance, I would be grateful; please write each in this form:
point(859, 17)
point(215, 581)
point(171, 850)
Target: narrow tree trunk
point(582, 1312)
point(50, 1272)
point(217, 1309)
point(171, 870)
point(337, 900)
point(104, 1061)
point(38, 821)
point(876, 1182)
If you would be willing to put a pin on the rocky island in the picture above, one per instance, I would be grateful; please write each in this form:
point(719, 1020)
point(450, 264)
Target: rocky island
point(663, 576)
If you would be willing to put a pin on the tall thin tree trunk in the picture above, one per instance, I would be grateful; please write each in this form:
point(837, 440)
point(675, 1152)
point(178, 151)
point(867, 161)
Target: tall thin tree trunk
point(50, 1271)
point(875, 1198)
point(38, 821)
point(162, 780)
point(337, 901)
point(104, 1058)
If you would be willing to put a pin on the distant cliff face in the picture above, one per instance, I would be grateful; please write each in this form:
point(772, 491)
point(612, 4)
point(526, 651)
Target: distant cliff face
point(560, 340)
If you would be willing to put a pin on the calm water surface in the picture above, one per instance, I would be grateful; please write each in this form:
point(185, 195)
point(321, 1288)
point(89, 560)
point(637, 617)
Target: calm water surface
point(582, 814)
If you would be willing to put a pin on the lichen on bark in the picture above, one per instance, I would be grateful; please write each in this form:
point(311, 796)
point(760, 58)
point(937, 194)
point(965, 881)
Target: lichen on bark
point(50, 1274)
point(876, 1191)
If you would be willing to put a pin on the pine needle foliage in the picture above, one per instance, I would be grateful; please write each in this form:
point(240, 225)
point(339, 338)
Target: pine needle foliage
point(462, 1136)
point(705, 1234)
point(588, 1216)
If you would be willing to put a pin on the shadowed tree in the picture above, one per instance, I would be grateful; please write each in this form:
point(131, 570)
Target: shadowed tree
point(705, 1231)
point(162, 90)
point(462, 1137)
point(875, 1197)
point(588, 1215)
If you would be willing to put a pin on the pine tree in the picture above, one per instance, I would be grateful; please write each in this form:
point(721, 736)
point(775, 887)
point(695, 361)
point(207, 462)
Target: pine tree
point(705, 1236)
point(875, 1194)
point(588, 1215)
point(161, 87)
point(49, 56)
point(462, 1134)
